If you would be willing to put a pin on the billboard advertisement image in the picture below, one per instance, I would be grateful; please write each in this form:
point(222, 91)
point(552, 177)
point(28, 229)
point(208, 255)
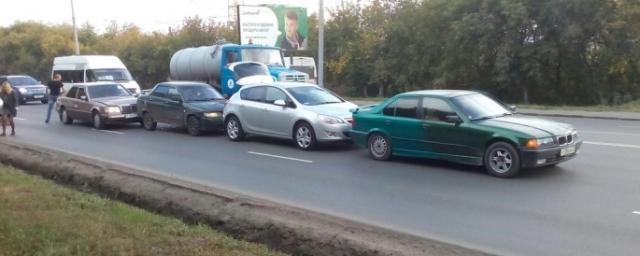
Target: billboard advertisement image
point(274, 25)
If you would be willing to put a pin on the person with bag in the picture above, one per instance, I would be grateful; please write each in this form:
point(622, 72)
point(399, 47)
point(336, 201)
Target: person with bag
point(9, 107)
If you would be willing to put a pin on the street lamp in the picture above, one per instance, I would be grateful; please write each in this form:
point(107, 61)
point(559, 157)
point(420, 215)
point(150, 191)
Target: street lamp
point(321, 44)
point(75, 29)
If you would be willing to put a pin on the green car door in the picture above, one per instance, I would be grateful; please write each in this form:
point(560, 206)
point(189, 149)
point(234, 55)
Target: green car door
point(401, 123)
point(447, 134)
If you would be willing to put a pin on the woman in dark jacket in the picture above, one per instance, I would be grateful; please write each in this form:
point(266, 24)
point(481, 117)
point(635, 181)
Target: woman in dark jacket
point(9, 107)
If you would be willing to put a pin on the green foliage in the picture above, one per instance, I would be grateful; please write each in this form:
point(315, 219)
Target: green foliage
point(579, 52)
point(29, 47)
point(543, 51)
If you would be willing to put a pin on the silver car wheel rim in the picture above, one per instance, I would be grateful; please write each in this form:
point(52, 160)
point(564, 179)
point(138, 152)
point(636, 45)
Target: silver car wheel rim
point(500, 160)
point(192, 125)
point(96, 121)
point(232, 129)
point(303, 137)
point(147, 121)
point(379, 146)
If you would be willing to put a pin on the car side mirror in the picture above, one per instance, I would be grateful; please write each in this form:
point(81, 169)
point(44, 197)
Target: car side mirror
point(513, 108)
point(280, 103)
point(83, 98)
point(453, 119)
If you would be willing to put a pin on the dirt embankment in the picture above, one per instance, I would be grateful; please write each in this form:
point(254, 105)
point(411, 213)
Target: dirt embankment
point(280, 227)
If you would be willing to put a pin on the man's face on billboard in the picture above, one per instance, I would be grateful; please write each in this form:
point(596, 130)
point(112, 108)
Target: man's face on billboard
point(290, 27)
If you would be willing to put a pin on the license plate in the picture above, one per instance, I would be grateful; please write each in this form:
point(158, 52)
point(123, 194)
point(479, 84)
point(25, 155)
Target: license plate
point(567, 151)
point(130, 115)
point(38, 96)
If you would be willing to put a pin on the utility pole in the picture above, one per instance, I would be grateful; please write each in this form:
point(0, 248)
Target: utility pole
point(75, 29)
point(321, 44)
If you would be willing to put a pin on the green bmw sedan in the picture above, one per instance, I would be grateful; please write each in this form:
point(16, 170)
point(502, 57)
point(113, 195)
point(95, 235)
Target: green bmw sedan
point(465, 127)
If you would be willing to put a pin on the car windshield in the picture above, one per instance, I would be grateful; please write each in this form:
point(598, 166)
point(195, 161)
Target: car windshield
point(199, 93)
point(311, 95)
point(108, 74)
point(478, 106)
point(23, 80)
point(250, 69)
point(271, 57)
point(107, 90)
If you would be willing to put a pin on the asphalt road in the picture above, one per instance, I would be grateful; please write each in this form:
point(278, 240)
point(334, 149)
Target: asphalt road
point(587, 206)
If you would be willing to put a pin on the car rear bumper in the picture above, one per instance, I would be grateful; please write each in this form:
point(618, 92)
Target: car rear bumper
point(550, 156)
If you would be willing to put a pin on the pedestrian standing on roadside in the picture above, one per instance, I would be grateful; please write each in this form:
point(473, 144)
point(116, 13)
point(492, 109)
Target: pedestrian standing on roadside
point(54, 88)
point(9, 107)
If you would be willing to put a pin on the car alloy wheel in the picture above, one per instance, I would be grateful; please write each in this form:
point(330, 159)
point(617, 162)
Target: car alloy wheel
point(379, 147)
point(305, 137)
point(97, 121)
point(234, 129)
point(64, 117)
point(502, 160)
point(193, 126)
point(148, 122)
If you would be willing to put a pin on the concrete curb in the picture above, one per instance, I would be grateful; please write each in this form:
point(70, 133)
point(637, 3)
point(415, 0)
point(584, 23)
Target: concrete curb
point(281, 227)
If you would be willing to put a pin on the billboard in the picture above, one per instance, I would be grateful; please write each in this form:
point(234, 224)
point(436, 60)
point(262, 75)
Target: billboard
point(274, 25)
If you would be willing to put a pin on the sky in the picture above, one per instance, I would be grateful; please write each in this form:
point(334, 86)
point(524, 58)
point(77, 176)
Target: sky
point(149, 15)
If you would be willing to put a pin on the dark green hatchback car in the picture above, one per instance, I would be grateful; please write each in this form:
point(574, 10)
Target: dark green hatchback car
point(465, 127)
point(195, 106)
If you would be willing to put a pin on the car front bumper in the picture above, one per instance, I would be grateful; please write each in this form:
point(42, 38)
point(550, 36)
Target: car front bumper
point(549, 156)
point(33, 96)
point(121, 118)
point(211, 124)
point(332, 132)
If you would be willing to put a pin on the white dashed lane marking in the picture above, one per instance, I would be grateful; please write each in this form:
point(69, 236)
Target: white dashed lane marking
point(108, 131)
point(280, 157)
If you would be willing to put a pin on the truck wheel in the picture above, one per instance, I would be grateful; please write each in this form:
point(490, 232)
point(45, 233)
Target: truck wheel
point(501, 159)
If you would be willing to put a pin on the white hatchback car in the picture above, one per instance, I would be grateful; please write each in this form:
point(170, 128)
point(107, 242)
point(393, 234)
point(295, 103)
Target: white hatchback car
point(305, 113)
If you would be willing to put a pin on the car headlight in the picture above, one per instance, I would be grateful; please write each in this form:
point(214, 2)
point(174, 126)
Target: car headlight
point(112, 110)
point(331, 120)
point(212, 114)
point(545, 142)
point(22, 90)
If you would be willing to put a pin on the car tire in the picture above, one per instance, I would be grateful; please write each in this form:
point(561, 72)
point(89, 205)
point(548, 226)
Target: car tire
point(147, 122)
point(97, 121)
point(379, 147)
point(304, 136)
point(193, 126)
point(234, 129)
point(64, 116)
point(502, 160)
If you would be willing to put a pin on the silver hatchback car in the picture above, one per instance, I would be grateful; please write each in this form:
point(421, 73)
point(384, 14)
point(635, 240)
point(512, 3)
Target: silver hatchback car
point(303, 112)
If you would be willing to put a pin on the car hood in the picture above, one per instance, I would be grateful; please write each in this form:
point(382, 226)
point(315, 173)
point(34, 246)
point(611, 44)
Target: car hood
point(205, 106)
point(35, 86)
point(341, 110)
point(533, 126)
point(117, 101)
